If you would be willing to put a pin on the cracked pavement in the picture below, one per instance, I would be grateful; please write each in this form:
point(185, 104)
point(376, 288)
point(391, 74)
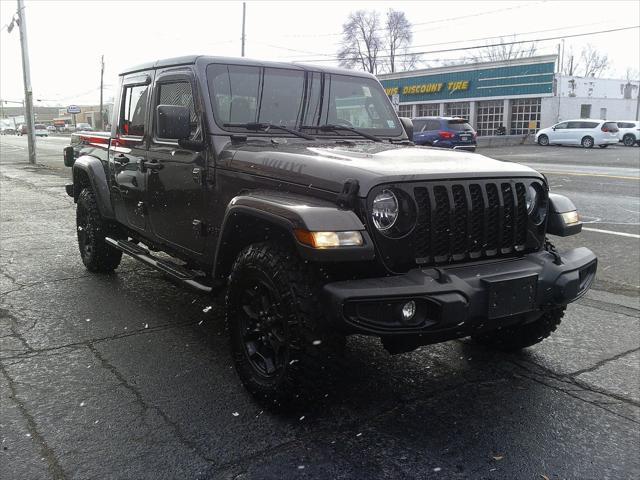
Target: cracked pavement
point(124, 376)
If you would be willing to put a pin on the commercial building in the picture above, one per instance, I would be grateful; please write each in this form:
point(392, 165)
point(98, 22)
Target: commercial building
point(521, 95)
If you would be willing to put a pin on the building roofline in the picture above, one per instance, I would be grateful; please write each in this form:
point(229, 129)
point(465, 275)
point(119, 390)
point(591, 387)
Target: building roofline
point(468, 66)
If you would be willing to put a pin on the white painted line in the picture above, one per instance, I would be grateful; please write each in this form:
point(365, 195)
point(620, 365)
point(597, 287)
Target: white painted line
point(611, 232)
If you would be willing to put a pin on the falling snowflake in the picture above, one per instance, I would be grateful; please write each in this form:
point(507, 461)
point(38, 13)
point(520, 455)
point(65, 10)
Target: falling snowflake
point(206, 309)
point(235, 414)
point(317, 342)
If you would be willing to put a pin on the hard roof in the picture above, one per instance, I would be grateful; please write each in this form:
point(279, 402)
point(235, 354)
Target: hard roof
point(204, 59)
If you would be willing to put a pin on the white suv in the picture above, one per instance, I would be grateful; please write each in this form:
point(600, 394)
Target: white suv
point(629, 132)
point(585, 131)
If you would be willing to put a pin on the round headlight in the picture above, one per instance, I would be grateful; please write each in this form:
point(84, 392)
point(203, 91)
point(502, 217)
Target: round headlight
point(385, 210)
point(531, 198)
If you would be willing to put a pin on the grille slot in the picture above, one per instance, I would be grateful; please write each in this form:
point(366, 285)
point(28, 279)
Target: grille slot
point(469, 220)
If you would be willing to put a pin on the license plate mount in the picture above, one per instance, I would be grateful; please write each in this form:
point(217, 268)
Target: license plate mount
point(511, 296)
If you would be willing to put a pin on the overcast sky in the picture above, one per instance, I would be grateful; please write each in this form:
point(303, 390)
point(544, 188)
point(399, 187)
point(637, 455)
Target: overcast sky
point(66, 38)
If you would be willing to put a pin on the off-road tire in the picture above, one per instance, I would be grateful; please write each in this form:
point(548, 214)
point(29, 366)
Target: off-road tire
point(543, 141)
point(96, 254)
point(587, 142)
point(310, 351)
point(629, 140)
point(510, 339)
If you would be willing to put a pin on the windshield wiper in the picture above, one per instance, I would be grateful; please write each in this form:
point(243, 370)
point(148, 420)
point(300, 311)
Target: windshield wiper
point(265, 127)
point(332, 128)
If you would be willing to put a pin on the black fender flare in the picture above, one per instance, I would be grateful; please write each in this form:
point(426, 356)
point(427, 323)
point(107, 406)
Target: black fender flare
point(92, 169)
point(260, 216)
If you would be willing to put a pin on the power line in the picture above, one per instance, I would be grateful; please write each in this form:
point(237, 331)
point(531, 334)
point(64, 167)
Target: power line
point(452, 42)
point(516, 42)
point(449, 19)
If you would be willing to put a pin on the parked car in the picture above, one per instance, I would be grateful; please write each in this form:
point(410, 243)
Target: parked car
point(584, 131)
point(444, 132)
point(8, 131)
point(41, 130)
point(629, 132)
point(411, 245)
point(51, 129)
point(22, 130)
point(83, 127)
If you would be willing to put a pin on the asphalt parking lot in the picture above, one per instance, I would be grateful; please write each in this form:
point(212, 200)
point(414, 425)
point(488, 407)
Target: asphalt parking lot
point(129, 376)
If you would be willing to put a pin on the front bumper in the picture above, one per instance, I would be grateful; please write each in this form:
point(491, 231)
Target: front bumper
point(457, 301)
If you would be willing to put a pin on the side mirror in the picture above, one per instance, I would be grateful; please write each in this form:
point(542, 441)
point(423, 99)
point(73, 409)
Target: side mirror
point(553, 128)
point(69, 156)
point(173, 122)
point(407, 124)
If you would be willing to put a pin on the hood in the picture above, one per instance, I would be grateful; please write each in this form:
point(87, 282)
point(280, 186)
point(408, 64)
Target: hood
point(327, 166)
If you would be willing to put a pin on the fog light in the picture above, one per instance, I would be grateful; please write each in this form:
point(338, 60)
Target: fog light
point(408, 310)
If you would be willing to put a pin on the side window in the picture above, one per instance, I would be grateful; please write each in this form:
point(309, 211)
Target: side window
point(561, 126)
point(418, 125)
point(180, 93)
point(134, 110)
point(432, 125)
point(588, 125)
point(574, 125)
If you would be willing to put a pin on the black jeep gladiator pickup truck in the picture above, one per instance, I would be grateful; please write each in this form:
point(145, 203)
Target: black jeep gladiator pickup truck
point(296, 189)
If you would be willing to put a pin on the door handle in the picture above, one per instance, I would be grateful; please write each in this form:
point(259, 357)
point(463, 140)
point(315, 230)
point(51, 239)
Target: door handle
point(121, 159)
point(198, 175)
point(152, 165)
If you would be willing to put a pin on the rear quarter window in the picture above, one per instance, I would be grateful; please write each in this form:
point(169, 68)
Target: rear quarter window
point(459, 126)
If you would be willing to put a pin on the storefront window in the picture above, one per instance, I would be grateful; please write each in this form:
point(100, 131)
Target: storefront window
point(405, 111)
point(429, 110)
point(489, 116)
point(525, 116)
point(458, 109)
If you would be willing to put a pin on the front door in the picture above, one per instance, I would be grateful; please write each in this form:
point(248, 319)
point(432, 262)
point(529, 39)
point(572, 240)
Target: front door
point(128, 151)
point(177, 176)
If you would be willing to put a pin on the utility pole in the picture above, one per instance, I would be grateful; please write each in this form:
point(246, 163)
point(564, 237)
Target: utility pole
point(100, 125)
point(244, 16)
point(26, 73)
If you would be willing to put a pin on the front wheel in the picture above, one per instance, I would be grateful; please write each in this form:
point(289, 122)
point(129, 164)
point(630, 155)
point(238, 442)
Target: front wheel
point(628, 140)
point(587, 142)
point(517, 337)
point(279, 342)
point(543, 140)
point(97, 255)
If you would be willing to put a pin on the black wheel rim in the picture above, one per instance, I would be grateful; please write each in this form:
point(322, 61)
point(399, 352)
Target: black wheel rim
point(262, 325)
point(85, 232)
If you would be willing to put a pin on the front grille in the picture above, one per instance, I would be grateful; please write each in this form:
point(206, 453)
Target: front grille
point(469, 220)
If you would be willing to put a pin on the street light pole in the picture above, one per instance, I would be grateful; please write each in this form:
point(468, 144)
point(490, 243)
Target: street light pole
point(28, 93)
point(244, 15)
point(101, 117)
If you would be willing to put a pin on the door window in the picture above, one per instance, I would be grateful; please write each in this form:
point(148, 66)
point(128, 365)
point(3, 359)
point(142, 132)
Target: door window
point(575, 125)
point(181, 94)
point(561, 126)
point(134, 110)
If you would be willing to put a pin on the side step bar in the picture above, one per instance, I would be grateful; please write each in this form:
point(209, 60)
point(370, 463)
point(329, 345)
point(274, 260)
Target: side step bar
point(173, 270)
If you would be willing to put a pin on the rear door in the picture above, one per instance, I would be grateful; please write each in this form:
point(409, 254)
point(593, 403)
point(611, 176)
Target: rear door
point(128, 151)
point(176, 175)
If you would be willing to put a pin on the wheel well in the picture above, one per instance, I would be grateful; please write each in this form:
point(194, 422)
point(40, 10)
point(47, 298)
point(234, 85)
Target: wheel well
point(80, 181)
point(586, 136)
point(629, 135)
point(240, 231)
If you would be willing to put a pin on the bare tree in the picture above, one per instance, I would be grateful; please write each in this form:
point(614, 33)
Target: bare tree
point(397, 38)
point(361, 42)
point(504, 51)
point(594, 62)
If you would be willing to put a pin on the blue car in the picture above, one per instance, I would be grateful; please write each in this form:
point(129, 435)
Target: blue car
point(444, 132)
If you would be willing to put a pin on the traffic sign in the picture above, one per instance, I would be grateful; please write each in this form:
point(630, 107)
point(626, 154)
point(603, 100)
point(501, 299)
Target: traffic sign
point(73, 109)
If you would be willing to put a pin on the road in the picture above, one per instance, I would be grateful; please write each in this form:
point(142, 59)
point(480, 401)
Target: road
point(128, 376)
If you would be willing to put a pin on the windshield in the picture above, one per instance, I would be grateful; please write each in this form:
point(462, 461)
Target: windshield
point(292, 98)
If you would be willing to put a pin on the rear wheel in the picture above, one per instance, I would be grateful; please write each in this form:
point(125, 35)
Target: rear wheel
point(629, 140)
point(543, 140)
point(514, 338)
point(587, 142)
point(97, 255)
point(279, 341)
